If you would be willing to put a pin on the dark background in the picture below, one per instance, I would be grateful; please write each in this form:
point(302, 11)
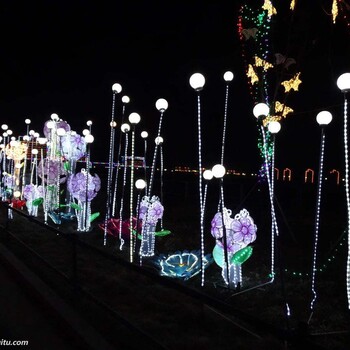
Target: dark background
point(64, 56)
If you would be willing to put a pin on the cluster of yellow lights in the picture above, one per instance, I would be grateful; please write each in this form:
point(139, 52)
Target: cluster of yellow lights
point(269, 8)
point(16, 152)
point(334, 10)
point(281, 112)
point(292, 5)
point(271, 118)
point(262, 63)
point(292, 84)
point(252, 75)
point(283, 109)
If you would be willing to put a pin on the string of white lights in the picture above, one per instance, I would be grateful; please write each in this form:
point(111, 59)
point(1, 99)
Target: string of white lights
point(317, 222)
point(346, 148)
point(123, 190)
point(110, 169)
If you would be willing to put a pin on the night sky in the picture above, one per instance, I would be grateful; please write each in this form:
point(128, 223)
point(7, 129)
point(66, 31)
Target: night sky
point(64, 56)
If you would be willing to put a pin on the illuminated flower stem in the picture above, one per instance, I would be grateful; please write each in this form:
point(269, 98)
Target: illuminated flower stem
point(110, 171)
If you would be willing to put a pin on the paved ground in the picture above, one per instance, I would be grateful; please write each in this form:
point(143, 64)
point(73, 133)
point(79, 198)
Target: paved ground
point(31, 311)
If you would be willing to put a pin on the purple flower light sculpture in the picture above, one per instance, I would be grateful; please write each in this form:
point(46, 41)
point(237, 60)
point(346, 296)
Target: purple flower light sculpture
point(150, 212)
point(240, 232)
point(73, 146)
point(83, 187)
point(31, 194)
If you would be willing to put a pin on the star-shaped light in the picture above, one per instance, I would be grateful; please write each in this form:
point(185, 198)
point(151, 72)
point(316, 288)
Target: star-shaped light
point(292, 5)
point(292, 84)
point(269, 8)
point(285, 110)
point(271, 118)
point(262, 63)
point(334, 10)
point(252, 75)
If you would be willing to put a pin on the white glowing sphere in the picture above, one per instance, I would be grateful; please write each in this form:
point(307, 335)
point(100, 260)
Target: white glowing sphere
point(261, 109)
point(274, 127)
point(42, 140)
point(343, 82)
point(134, 118)
point(144, 134)
point(32, 132)
point(162, 104)
point(116, 88)
point(140, 184)
point(218, 171)
point(17, 194)
point(228, 76)
point(89, 123)
point(4, 127)
point(4, 134)
point(113, 124)
point(35, 151)
point(2, 146)
point(50, 125)
point(89, 138)
point(61, 131)
point(208, 174)
point(13, 143)
point(324, 118)
point(26, 138)
point(125, 127)
point(125, 99)
point(36, 134)
point(54, 117)
point(13, 138)
point(159, 140)
point(197, 81)
point(86, 132)
point(27, 121)
point(9, 132)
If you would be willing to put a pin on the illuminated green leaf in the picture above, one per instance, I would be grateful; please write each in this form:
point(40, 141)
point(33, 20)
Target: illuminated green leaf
point(94, 216)
point(162, 233)
point(38, 201)
point(75, 206)
point(66, 166)
point(242, 255)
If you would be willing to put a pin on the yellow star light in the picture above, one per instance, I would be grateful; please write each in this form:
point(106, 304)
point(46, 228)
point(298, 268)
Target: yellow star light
point(280, 107)
point(269, 8)
point(292, 84)
point(292, 5)
point(334, 10)
point(271, 118)
point(252, 75)
point(261, 63)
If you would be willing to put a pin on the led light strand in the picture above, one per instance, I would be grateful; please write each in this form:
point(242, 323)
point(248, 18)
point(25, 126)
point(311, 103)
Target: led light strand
point(224, 128)
point(202, 233)
point(317, 221)
point(154, 157)
point(161, 181)
point(274, 226)
point(110, 171)
point(347, 193)
point(123, 190)
point(324, 265)
point(118, 165)
point(273, 222)
point(132, 193)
